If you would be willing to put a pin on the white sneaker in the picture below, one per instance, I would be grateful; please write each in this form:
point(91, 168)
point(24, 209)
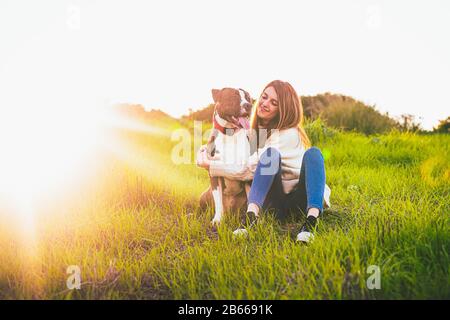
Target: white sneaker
point(240, 232)
point(305, 236)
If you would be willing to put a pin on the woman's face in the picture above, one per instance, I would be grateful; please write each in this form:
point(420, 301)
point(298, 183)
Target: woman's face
point(268, 107)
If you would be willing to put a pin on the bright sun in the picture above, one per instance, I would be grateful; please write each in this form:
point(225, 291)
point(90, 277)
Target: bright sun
point(42, 147)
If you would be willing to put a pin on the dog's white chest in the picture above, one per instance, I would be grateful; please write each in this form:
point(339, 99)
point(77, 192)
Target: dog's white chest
point(233, 149)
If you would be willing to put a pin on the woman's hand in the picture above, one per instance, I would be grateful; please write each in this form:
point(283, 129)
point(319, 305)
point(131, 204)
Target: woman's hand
point(202, 158)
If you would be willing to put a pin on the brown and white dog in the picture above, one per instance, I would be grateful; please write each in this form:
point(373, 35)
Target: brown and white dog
point(228, 141)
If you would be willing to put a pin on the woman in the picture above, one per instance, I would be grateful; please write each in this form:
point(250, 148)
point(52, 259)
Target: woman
point(286, 174)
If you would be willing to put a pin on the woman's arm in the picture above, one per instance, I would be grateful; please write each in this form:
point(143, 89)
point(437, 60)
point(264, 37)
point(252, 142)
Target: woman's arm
point(286, 141)
point(236, 171)
point(240, 171)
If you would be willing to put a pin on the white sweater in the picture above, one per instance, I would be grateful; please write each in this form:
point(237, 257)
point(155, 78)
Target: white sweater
point(287, 142)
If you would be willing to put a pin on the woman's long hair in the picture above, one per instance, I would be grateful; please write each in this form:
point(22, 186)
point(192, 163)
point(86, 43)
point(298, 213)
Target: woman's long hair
point(290, 114)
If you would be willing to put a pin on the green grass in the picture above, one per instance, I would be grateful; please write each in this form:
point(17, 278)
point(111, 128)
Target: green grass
point(136, 232)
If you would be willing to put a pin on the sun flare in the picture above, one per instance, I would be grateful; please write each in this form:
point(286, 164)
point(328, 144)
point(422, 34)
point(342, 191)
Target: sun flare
point(44, 149)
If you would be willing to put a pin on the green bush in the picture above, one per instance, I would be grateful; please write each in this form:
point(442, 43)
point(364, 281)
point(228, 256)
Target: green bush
point(357, 116)
point(318, 132)
point(443, 127)
point(346, 113)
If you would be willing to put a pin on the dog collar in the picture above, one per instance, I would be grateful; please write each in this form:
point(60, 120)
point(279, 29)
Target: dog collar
point(220, 125)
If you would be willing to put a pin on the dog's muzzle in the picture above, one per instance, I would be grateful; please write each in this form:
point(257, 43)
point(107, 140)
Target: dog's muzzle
point(246, 106)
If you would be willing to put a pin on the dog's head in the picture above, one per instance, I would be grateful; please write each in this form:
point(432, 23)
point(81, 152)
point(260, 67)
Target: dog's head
point(233, 105)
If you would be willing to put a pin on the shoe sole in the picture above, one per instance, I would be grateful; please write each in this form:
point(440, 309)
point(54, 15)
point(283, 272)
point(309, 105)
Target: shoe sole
point(305, 237)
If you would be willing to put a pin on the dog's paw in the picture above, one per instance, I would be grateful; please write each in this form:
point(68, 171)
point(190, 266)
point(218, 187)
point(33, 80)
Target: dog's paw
point(215, 222)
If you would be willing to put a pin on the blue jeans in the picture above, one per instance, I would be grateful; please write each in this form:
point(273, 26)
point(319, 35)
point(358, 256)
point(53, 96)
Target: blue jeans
point(267, 191)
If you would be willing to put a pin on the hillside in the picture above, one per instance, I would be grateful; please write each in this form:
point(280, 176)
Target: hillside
point(138, 112)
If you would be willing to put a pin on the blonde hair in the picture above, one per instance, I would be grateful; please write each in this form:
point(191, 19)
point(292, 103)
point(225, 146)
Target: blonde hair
point(290, 114)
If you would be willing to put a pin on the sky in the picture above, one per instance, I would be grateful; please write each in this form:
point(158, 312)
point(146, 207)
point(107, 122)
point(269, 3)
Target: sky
point(170, 54)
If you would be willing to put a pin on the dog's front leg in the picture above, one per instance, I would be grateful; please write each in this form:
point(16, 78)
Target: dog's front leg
point(217, 188)
point(247, 186)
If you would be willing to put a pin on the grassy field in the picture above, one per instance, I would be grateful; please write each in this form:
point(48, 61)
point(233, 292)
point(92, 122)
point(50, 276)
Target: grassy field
point(135, 230)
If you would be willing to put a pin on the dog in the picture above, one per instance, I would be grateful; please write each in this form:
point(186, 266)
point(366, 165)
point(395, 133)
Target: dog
point(229, 141)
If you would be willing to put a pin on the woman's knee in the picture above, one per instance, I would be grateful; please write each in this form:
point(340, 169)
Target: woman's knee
point(313, 153)
point(271, 160)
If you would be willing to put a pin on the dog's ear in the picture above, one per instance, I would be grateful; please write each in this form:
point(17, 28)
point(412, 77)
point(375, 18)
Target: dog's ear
point(216, 94)
point(248, 97)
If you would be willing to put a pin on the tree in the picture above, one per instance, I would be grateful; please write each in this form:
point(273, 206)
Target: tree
point(443, 126)
point(408, 123)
